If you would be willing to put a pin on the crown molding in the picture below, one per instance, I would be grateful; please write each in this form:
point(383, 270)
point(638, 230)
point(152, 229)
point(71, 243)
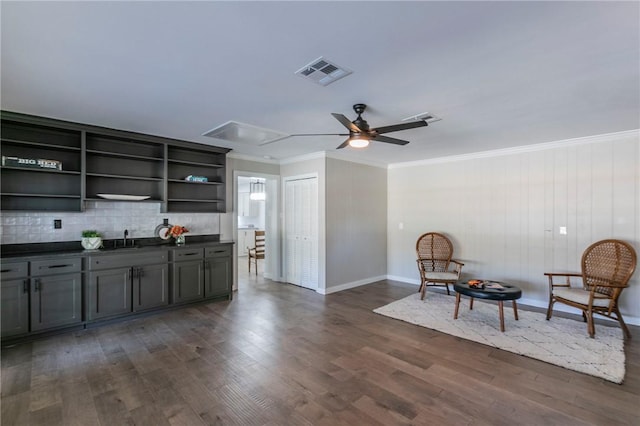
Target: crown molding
point(607, 137)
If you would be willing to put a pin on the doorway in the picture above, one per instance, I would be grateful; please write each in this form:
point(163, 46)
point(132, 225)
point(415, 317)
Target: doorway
point(252, 213)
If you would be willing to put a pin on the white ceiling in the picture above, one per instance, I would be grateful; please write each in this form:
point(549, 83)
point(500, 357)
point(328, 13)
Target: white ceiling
point(500, 74)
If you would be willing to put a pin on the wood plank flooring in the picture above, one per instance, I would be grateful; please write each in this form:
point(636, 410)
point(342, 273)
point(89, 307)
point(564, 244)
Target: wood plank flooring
point(282, 355)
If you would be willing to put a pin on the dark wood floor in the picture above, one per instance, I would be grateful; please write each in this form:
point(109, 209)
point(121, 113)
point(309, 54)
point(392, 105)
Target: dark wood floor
point(283, 355)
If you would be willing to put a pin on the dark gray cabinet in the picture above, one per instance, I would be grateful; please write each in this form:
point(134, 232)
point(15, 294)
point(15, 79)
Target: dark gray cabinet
point(218, 273)
point(188, 281)
point(186, 196)
point(41, 294)
point(150, 287)
point(56, 293)
point(109, 293)
point(117, 165)
point(97, 160)
point(124, 283)
point(56, 301)
point(14, 299)
point(201, 273)
point(39, 188)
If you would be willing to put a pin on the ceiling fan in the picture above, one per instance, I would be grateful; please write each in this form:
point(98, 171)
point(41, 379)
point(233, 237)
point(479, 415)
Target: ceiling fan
point(360, 134)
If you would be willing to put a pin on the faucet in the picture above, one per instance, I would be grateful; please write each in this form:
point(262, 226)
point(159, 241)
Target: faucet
point(126, 233)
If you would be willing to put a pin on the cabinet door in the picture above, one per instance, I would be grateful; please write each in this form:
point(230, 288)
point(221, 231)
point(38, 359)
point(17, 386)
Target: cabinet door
point(243, 204)
point(188, 281)
point(109, 293)
point(217, 277)
point(14, 305)
point(56, 301)
point(150, 287)
point(242, 243)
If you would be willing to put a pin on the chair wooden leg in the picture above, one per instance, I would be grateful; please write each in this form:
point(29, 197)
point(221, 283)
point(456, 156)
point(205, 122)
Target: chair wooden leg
point(590, 326)
point(455, 312)
point(256, 266)
point(424, 290)
point(550, 308)
point(471, 304)
point(249, 260)
point(624, 327)
point(421, 287)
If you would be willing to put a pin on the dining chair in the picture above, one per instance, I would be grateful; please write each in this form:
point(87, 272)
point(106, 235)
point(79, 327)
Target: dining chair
point(257, 251)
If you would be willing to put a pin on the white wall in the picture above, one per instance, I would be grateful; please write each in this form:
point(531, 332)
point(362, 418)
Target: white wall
point(503, 211)
point(356, 229)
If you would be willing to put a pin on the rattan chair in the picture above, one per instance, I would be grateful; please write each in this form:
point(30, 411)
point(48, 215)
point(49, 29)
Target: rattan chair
point(257, 251)
point(434, 253)
point(607, 267)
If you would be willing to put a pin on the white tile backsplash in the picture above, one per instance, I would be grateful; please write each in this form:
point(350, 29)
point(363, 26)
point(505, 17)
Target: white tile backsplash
point(108, 218)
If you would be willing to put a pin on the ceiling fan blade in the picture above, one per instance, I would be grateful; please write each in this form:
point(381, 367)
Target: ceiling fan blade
point(346, 123)
point(387, 139)
point(401, 126)
point(302, 134)
point(320, 134)
point(343, 144)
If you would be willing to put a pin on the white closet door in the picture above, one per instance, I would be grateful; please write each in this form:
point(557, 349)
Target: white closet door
point(301, 232)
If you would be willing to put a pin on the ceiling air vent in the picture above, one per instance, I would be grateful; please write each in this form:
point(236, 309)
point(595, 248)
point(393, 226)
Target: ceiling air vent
point(323, 72)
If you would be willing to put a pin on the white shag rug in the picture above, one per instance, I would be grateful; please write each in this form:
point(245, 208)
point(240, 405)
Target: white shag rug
point(559, 341)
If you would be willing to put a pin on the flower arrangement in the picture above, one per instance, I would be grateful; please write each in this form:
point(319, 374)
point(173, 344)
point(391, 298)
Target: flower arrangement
point(177, 230)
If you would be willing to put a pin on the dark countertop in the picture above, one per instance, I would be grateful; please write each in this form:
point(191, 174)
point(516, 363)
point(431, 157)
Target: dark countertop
point(74, 248)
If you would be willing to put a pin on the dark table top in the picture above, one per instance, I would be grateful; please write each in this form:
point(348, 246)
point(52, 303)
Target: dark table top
point(507, 292)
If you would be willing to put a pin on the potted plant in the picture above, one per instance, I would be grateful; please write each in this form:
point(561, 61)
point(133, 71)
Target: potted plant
point(91, 239)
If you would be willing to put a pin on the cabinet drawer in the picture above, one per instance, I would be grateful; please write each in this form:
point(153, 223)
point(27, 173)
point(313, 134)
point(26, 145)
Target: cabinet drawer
point(187, 254)
point(14, 270)
point(127, 260)
point(219, 251)
point(56, 266)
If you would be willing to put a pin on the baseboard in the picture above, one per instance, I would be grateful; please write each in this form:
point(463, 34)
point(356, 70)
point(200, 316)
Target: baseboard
point(353, 284)
point(534, 303)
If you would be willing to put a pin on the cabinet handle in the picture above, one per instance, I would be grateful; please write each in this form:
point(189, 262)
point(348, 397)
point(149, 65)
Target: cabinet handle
point(57, 266)
point(206, 264)
point(5, 270)
point(221, 251)
point(25, 286)
point(140, 272)
point(130, 273)
point(190, 254)
point(37, 284)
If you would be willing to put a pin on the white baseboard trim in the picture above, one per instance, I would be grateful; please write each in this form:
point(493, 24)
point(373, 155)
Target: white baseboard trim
point(353, 284)
point(631, 320)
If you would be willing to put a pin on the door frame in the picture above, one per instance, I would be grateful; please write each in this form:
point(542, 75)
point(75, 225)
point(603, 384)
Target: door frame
point(273, 263)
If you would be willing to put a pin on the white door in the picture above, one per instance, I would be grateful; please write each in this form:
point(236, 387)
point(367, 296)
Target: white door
point(301, 232)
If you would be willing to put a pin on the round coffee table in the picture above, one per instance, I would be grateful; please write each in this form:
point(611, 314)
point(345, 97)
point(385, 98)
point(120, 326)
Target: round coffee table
point(507, 292)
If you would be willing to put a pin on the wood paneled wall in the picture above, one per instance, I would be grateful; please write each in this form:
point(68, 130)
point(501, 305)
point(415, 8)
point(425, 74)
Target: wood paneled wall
point(504, 211)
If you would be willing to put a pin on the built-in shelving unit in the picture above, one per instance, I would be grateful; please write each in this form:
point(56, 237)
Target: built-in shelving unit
point(186, 196)
point(124, 166)
point(98, 160)
point(41, 189)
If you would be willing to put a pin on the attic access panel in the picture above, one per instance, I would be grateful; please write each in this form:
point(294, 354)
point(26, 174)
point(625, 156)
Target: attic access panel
point(234, 131)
